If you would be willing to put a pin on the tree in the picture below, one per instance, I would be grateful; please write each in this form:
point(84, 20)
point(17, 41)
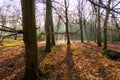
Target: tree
point(52, 27)
point(99, 29)
point(108, 8)
point(58, 27)
point(105, 24)
point(2, 20)
point(80, 19)
point(30, 40)
point(48, 25)
point(66, 23)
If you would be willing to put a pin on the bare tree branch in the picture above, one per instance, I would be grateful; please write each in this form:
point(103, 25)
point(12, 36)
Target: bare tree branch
point(12, 30)
point(103, 6)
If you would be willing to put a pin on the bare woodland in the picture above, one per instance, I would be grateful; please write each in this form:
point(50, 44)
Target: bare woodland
point(60, 40)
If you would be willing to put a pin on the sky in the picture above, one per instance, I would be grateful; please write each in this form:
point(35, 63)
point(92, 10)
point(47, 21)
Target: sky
point(41, 8)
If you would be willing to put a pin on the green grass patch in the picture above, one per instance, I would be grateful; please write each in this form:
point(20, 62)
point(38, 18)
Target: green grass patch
point(11, 42)
point(55, 48)
point(47, 64)
point(76, 54)
point(76, 51)
point(11, 64)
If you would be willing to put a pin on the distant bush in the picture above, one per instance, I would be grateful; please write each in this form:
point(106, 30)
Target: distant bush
point(40, 36)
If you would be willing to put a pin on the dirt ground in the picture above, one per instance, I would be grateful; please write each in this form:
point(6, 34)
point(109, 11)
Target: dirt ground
point(78, 61)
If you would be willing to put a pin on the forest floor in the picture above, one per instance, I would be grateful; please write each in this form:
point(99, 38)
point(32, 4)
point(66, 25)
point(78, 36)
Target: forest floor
point(78, 61)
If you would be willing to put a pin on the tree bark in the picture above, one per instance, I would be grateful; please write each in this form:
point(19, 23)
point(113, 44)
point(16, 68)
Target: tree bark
point(85, 29)
point(30, 39)
point(105, 25)
point(80, 21)
point(52, 27)
point(99, 29)
point(48, 25)
point(66, 23)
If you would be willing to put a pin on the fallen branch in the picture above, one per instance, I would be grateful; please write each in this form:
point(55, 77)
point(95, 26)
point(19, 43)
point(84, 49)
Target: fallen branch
point(6, 37)
point(12, 30)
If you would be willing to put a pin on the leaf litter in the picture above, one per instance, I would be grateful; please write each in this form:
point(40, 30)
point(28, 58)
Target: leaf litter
point(78, 61)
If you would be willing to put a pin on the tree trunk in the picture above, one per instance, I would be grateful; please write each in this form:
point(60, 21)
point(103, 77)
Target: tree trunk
point(99, 29)
point(85, 28)
point(112, 38)
point(58, 27)
point(66, 23)
point(48, 25)
point(52, 27)
point(15, 37)
point(30, 40)
point(105, 26)
point(80, 20)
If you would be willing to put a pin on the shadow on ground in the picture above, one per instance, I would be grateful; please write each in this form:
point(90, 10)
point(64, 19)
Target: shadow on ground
point(66, 68)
